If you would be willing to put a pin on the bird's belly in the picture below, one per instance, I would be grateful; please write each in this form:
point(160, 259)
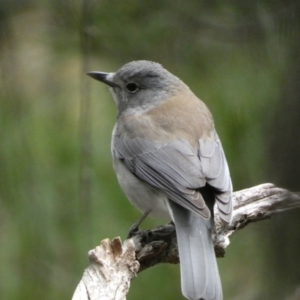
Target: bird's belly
point(141, 194)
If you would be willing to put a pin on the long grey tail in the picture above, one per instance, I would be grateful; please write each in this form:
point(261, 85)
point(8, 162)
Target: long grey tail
point(200, 277)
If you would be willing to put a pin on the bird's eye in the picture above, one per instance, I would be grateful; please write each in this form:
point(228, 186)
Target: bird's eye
point(132, 87)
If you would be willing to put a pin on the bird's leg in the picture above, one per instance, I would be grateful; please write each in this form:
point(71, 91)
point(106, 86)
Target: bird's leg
point(135, 227)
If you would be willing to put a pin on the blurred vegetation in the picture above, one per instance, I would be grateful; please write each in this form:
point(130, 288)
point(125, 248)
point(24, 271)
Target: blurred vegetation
point(58, 194)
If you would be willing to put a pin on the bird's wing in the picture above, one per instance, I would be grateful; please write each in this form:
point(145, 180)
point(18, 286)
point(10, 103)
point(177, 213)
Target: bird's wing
point(216, 172)
point(178, 171)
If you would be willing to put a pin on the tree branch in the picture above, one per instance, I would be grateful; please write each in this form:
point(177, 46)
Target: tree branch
point(159, 245)
point(112, 266)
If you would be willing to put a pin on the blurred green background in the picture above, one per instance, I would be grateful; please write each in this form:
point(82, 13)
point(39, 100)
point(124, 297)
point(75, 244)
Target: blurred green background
point(58, 194)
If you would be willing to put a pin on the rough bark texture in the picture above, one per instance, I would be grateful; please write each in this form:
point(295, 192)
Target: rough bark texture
point(113, 265)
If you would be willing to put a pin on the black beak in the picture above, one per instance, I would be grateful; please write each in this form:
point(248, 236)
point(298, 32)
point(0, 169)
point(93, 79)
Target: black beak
point(102, 76)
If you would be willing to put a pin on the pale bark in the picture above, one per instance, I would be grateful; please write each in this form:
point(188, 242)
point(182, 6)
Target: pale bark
point(113, 265)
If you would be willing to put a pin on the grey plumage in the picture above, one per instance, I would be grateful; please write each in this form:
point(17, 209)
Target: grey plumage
point(199, 272)
point(168, 158)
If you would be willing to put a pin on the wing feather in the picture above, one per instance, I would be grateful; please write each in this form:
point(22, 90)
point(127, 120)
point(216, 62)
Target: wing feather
point(179, 171)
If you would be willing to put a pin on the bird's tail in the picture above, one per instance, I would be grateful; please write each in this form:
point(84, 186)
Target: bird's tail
point(200, 277)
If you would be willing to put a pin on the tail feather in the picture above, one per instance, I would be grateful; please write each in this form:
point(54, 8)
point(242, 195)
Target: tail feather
point(198, 266)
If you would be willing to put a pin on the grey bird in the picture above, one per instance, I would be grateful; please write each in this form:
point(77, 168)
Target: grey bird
point(168, 159)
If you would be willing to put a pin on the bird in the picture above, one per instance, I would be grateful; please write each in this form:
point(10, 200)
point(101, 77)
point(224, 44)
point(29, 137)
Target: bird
point(169, 160)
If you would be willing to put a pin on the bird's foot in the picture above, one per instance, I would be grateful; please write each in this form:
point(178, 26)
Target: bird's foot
point(135, 227)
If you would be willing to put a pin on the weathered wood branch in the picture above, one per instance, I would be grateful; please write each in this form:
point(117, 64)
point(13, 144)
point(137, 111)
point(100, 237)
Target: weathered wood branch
point(113, 265)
